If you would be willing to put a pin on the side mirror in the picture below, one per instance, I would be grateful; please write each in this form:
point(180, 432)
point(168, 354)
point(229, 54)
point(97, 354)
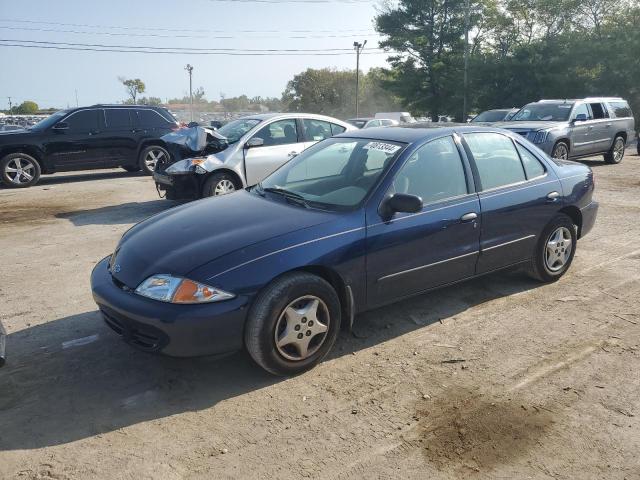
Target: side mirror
point(61, 126)
point(254, 142)
point(581, 117)
point(400, 203)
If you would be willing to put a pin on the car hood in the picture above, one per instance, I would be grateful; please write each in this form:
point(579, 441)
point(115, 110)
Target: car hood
point(13, 136)
point(181, 239)
point(528, 126)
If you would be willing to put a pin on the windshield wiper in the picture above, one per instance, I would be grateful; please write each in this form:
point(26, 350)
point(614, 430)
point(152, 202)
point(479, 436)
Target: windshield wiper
point(288, 194)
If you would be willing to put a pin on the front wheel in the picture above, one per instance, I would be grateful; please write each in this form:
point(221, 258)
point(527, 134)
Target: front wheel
point(560, 151)
point(219, 184)
point(150, 157)
point(616, 154)
point(293, 324)
point(555, 250)
point(19, 170)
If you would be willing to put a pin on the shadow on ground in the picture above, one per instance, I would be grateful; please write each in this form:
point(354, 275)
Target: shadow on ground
point(52, 395)
point(132, 212)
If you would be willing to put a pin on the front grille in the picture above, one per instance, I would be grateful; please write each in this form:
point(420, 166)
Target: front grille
point(141, 336)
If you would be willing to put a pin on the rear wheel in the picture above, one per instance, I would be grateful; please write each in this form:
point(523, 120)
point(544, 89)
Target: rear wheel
point(19, 170)
point(150, 157)
point(561, 151)
point(219, 184)
point(555, 250)
point(293, 324)
point(616, 154)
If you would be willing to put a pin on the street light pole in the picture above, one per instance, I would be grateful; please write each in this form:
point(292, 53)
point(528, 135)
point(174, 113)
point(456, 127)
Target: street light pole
point(358, 48)
point(466, 61)
point(189, 69)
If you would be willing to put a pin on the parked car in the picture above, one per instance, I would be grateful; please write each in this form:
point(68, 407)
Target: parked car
point(101, 136)
point(368, 122)
point(577, 128)
point(255, 147)
point(9, 128)
point(3, 344)
point(489, 117)
point(400, 117)
point(357, 221)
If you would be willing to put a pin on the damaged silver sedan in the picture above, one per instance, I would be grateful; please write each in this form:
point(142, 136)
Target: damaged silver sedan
point(207, 162)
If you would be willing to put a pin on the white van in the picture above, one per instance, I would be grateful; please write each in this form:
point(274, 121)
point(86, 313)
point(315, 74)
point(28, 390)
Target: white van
point(402, 117)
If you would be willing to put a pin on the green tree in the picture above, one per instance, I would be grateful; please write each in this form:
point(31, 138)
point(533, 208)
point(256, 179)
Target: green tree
point(133, 86)
point(27, 108)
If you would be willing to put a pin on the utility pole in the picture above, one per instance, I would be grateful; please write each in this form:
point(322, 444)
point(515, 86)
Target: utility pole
point(358, 48)
point(466, 61)
point(77, 97)
point(189, 69)
point(9, 104)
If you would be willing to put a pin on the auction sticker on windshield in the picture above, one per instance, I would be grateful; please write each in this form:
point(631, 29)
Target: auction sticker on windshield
point(388, 148)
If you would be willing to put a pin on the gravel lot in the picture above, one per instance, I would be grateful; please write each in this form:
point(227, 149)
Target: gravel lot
point(495, 378)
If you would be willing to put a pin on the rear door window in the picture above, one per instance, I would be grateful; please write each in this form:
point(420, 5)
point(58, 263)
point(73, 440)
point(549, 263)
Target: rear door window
point(150, 119)
point(532, 166)
point(117, 118)
point(83, 121)
point(337, 129)
point(599, 111)
point(434, 172)
point(316, 130)
point(496, 159)
point(621, 109)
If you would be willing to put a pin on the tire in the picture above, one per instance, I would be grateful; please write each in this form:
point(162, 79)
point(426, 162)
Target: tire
point(268, 321)
point(150, 156)
point(131, 168)
point(19, 170)
point(560, 151)
point(545, 266)
point(616, 154)
point(219, 184)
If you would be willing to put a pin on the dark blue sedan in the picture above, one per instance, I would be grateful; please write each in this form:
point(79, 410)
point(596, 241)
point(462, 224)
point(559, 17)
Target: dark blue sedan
point(355, 222)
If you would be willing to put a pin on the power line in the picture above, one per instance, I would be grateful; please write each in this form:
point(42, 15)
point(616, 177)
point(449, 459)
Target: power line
point(180, 49)
point(158, 35)
point(164, 29)
point(172, 52)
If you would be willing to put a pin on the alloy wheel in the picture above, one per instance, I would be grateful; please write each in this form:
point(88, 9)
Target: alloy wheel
point(20, 170)
point(558, 249)
point(302, 328)
point(152, 158)
point(618, 150)
point(224, 187)
point(561, 152)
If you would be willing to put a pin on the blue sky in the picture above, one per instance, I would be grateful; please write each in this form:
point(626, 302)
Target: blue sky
point(50, 77)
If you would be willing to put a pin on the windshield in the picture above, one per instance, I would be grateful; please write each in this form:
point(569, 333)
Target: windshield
point(50, 121)
point(235, 130)
point(336, 173)
point(548, 112)
point(490, 116)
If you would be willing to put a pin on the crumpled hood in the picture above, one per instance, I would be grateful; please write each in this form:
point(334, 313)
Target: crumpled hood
point(183, 238)
point(527, 126)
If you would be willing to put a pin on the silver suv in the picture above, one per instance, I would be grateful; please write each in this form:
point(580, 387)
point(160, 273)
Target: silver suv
point(576, 128)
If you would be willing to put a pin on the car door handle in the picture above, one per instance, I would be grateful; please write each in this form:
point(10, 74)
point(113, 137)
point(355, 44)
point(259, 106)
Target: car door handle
point(467, 217)
point(553, 196)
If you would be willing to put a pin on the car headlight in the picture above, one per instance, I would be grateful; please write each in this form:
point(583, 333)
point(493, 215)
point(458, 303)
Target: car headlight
point(185, 166)
point(539, 136)
point(171, 289)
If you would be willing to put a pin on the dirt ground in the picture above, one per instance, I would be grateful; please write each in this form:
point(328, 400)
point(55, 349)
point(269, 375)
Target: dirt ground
point(497, 378)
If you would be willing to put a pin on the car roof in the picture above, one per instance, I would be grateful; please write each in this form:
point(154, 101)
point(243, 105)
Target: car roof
point(410, 134)
point(363, 119)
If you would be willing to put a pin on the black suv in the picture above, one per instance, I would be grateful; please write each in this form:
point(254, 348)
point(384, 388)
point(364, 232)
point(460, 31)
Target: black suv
point(101, 136)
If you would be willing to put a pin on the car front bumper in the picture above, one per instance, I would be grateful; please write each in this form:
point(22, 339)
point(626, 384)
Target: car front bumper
point(183, 186)
point(589, 214)
point(175, 330)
